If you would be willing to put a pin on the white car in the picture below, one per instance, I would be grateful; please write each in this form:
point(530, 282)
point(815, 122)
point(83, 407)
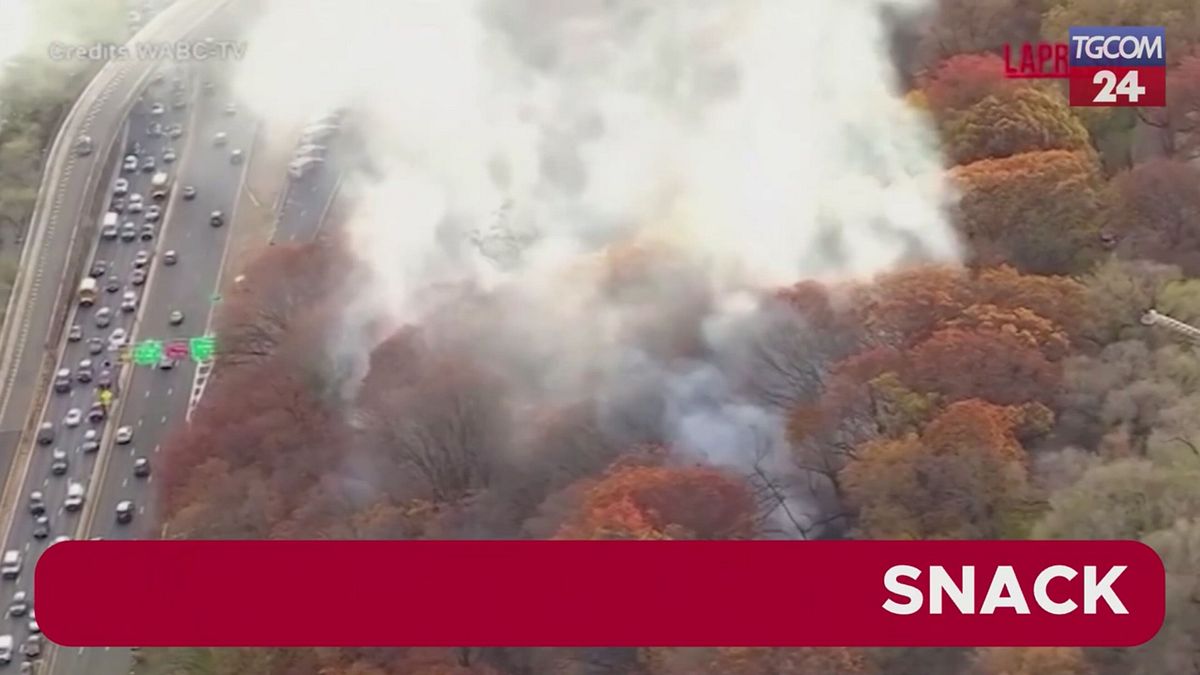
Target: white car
point(124, 435)
point(73, 418)
point(129, 301)
point(74, 500)
point(116, 340)
point(220, 139)
point(131, 163)
point(121, 186)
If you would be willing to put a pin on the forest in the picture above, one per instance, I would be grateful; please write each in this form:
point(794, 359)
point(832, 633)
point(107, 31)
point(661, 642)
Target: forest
point(1017, 396)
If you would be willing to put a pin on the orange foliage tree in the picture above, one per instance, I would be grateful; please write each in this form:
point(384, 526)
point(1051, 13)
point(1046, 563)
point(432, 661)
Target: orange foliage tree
point(1031, 661)
point(991, 365)
point(1060, 299)
point(954, 481)
point(659, 502)
point(1037, 210)
point(906, 305)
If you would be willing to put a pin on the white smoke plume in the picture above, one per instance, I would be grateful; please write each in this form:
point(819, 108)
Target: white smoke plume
point(764, 142)
point(16, 25)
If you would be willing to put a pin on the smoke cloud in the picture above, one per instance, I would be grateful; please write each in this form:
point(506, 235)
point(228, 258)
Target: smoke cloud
point(748, 144)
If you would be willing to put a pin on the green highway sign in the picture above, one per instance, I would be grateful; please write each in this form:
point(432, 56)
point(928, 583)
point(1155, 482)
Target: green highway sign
point(148, 352)
point(203, 348)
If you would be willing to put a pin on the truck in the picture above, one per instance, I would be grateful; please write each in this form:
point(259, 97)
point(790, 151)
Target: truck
point(87, 291)
point(110, 218)
point(6, 648)
point(10, 567)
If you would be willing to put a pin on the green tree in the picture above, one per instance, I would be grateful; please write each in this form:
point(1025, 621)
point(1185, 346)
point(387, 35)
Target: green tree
point(1118, 292)
point(1126, 499)
point(1011, 122)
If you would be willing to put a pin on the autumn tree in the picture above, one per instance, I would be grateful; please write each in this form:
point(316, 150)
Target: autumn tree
point(1031, 661)
point(963, 80)
point(1033, 330)
point(973, 26)
point(1011, 122)
point(1180, 18)
point(949, 483)
point(1125, 499)
point(1036, 210)
point(995, 366)
point(664, 503)
point(756, 661)
point(900, 307)
point(1057, 298)
point(1117, 293)
point(1156, 213)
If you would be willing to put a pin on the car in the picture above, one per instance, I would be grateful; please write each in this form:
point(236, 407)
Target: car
point(33, 624)
point(166, 363)
point(131, 163)
point(109, 231)
point(179, 103)
point(19, 605)
point(159, 195)
point(75, 496)
point(37, 502)
point(95, 346)
point(118, 205)
point(148, 165)
point(121, 186)
point(136, 198)
point(170, 257)
point(135, 148)
point(84, 372)
point(147, 231)
point(124, 435)
point(41, 527)
point(141, 259)
point(59, 462)
point(96, 414)
point(141, 467)
point(45, 435)
point(62, 381)
point(124, 511)
point(220, 139)
point(10, 564)
point(236, 157)
point(176, 317)
point(129, 231)
point(103, 317)
point(230, 109)
point(91, 441)
point(153, 213)
point(175, 130)
point(189, 192)
point(99, 268)
point(138, 277)
point(75, 334)
point(136, 207)
point(157, 109)
point(84, 146)
point(73, 418)
point(169, 155)
point(117, 339)
point(33, 646)
point(113, 284)
point(217, 219)
point(105, 379)
point(6, 650)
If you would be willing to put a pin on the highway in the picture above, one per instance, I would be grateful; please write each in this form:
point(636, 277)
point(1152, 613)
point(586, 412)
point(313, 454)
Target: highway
point(155, 402)
point(65, 205)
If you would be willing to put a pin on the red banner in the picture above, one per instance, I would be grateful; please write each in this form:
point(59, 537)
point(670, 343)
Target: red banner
point(600, 593)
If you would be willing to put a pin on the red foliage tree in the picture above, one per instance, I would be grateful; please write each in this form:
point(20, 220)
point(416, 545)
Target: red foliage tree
point(963, 80)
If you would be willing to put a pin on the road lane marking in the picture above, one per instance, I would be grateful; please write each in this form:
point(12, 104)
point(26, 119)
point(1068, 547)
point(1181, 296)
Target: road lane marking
point(156, 448)
point(147, 393)
point(170, 391)
point(164, 420)
point(139, 423)
point(125, 483)
point(27, 547)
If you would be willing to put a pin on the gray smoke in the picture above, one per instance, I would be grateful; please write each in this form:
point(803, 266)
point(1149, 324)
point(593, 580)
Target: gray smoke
point(520, 142)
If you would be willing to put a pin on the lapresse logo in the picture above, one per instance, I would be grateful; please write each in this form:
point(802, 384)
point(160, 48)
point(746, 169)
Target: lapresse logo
point(1119, 66)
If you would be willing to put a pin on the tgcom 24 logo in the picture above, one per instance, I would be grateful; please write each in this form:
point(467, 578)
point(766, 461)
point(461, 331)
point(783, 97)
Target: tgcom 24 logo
point(1115, 66)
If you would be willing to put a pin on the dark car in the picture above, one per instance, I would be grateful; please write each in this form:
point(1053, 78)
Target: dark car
point(118, 204)
point(41, 527)
point(189, 192)
point(138, 277)
point(112, 284)
point(217, 219)
point(141, 467)
point(105, 379)
point(99, 269)
point(124, 512)
point(37, 503)
point(75, 334)
point(45, 435)
point(96, 415)
point(95, 346)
